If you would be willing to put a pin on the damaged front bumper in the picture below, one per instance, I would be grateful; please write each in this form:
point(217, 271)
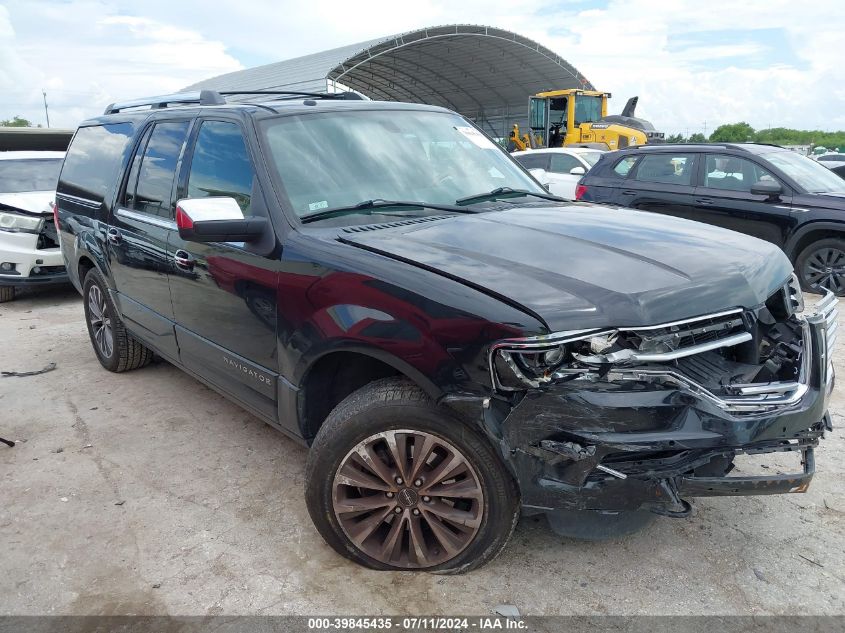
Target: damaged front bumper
point(645, 439)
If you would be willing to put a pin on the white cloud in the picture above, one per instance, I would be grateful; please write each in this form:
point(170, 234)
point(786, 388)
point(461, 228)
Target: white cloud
point(87, 53)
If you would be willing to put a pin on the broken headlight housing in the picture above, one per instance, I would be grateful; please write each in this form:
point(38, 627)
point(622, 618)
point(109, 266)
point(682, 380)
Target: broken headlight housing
point(20, 223)
point(519, 363)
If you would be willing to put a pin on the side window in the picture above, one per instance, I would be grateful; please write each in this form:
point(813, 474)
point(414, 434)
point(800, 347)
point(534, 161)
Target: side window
point(533, 161)
point(151, 192)
point(221, 165)
point(732, 173)
point(673, 169)
point(624, 166)
point(564, 163)
point(93, 160)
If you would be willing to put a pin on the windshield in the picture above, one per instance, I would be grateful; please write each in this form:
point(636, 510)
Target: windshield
point(591, 157)
point(18, 176)
point(809, 175)
point(337, 159)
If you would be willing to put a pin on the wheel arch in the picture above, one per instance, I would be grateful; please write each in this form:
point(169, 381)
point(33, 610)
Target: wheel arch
point(330, 377)
point(812, 232)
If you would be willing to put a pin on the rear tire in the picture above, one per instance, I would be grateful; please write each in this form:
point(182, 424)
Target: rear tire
point(821, 266)
point(115, 348)
point(7, 293)
point(449, 520)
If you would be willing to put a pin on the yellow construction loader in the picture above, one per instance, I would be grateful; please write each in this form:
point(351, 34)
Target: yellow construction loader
point(579, 118)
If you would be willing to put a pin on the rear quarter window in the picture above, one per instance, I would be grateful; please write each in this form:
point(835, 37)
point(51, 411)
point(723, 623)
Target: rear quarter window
point(94, 159)
point(624, 166)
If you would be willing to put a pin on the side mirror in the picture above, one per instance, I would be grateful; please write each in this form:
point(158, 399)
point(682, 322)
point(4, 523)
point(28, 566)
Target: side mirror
point(216, 220)
point(577, 171)
point(768, 188)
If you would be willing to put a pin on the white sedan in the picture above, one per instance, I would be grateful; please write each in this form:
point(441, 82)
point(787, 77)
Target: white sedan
point(560, 168)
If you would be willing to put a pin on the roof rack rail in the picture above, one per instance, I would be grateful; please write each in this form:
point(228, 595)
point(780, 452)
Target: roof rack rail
point(291, 93)
point(203, 97)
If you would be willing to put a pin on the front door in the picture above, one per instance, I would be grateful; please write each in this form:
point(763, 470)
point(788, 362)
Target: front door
point(138, 232)
point(561, 181)
point(224, 296)
point(725, 199)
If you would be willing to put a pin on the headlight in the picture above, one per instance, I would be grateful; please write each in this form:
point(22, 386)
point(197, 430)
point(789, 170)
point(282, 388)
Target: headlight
point(521, 363)
point(17, 222)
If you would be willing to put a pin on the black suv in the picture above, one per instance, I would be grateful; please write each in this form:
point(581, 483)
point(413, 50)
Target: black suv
point(385, 284)
point(761, 190)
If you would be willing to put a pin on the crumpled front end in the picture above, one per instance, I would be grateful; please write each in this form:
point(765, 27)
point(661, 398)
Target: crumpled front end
point(640, 418)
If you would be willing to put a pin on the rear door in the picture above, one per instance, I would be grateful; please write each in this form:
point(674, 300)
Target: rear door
point(662, 182)
point(224, 296)
point(138, 231)
point(725, 199)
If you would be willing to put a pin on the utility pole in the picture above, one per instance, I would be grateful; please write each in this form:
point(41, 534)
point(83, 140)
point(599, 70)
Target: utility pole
point(705, 130)
point(46, 112)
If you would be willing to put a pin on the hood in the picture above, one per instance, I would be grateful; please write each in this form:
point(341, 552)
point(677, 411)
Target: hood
point(30, 201)
point(585, 266)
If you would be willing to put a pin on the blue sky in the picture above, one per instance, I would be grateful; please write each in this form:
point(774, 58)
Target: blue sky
point(694, 64)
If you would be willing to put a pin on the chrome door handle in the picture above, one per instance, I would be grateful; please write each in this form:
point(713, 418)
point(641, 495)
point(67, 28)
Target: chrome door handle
point(628, 192)
point(704, 200)
point(183, 260)
point(114, 236)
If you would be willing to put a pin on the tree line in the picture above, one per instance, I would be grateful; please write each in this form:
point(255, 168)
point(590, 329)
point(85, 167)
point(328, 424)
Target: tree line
point(743, 133)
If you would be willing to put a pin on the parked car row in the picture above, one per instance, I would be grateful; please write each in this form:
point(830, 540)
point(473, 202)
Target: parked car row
point(455, 345)
point(760, 190)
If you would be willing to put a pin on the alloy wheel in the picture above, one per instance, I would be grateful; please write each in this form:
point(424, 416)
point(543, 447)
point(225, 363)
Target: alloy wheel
point(100, 320)
point(408, 499)
point(825, 268)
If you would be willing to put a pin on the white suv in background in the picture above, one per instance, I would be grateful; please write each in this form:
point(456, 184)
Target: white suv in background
point(29, 248)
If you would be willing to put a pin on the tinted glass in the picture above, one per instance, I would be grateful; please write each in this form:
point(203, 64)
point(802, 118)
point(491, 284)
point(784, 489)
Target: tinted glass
point(337, 159)
point(563, 163)
point(220, 165)
point(132, 180)
point(38, 174)
point(674, 169)
point(158, 169)
point(533, 161)
point(731, 173)
point(94, 159)
point(839, 158)
point(624, 166)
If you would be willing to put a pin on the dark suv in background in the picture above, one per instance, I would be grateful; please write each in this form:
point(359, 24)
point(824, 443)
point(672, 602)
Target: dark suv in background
point(761, 190)
point(454, 344)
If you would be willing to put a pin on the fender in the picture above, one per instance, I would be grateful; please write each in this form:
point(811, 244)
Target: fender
point(86, 244)
point(795, 238)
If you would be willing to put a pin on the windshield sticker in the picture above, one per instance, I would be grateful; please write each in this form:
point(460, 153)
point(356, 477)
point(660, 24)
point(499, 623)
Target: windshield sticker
point(316, 206)
point(476, 137)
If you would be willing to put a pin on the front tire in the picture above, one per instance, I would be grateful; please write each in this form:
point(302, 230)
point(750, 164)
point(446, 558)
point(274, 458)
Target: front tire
point(115, 348)
point(7, 293)
point(821, 266)
point(394, 482)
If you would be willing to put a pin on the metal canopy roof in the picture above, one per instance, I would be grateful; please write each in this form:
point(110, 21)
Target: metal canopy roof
point(483, 72)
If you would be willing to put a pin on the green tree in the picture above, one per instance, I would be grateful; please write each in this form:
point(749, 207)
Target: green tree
point(698, 137)
point(675, 138)
point(16, 122)
point(733, 133)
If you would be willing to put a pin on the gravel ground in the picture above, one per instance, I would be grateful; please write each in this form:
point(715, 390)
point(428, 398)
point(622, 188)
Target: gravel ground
point(147, 493)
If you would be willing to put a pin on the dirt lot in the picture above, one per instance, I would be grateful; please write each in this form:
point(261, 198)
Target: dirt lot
point(147, 493)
